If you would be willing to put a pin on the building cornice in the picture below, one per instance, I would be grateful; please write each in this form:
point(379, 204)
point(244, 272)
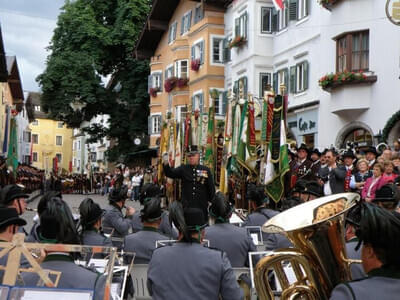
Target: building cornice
point(208, 76)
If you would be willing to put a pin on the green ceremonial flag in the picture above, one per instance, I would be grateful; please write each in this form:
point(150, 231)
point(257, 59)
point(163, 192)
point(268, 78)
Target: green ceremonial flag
point(209, 159)
point(264, 121)
point(277, 161)
point(12, 157)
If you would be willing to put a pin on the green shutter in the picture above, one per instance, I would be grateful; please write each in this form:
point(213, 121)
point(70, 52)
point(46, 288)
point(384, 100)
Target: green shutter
point(307, 2)
point(192, 52)
point(161, 82)
point(286, 74)
point(224, 102)
point(245, 85)
point(201, 45)
point(275, 82)
point(192, 103)
point(182, 24)
point(201, 103)
point(149, 83)
point(292, 79)
point(293, 10)
point(306, 73)
point(274, 20)
point(149, 129)
point(189, 20)
point(245, 20)
point(237, 27)
point(236, 87)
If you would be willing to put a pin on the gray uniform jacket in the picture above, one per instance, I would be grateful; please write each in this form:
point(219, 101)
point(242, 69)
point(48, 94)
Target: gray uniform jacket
point(381, 284)
point(72, 276)
point(357, 271)
point(113, 218)
point(143, 244)
point(33, 236)
point(191, 271)
point(233, 240)
point(164, 228)
point(94, 238)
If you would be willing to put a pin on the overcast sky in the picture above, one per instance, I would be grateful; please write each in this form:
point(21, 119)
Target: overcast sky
point(27, 27)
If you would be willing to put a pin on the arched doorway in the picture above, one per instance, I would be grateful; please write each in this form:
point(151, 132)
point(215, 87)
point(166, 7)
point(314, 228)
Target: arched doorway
point(355, 132)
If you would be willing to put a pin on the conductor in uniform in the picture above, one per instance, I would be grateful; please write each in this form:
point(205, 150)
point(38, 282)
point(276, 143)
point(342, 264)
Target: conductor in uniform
point(197, 181)
point(379, 233)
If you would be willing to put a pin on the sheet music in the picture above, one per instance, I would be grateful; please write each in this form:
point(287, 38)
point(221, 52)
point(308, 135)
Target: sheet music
point(51, 295)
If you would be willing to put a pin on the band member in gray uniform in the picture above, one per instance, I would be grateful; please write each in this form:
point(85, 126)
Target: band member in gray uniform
point(12, 195)
point(58, 227)
point(144, 242)
point(198, 187)
point(148, 191)
point(233, 240)
point(187, 269)
point(114, 221)
point(379, 233)
point(90, 220)
point(9, 224)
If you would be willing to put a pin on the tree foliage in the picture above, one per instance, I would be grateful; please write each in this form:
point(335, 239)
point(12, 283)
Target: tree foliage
point(95, 39)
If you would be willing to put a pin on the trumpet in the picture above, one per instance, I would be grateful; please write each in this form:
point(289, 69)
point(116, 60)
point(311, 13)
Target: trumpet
point(319, 260)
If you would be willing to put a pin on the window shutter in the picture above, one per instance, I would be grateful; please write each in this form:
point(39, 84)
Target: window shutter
point(149, 125)
point(189, 16)
point(224, 102)
point(292, 79)
point(149, 83)
point(182, 24)
point(245, 86)
point(286, 74)
point(293, 10)
point(193, 52)
point(237, 27)
point(201, 103)
point(236, 87)
point(306, 73)
point(274, 21)
point(192, 103)
point(201, 45)
point(166, 73)
point(161, 81)
point(160, 122)
point(169, 35)
point(175, 28)
point(275, 83)
point(245, 24)
point(307, 4)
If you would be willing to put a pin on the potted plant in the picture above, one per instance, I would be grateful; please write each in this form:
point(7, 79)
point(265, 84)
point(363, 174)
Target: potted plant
point(328, 3)
point(154, 91)
point(170, 83)
point(331, 81)
point(195, 64)
point(182, 82)
point(238, 42)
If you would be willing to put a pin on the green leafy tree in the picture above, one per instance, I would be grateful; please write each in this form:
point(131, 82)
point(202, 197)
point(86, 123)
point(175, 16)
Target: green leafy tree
point(93, 40)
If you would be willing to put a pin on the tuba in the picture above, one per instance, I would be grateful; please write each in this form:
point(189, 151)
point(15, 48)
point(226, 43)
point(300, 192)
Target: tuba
point(319, 263)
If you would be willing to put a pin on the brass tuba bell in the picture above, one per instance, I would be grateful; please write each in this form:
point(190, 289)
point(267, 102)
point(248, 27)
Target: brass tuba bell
point(319, 263)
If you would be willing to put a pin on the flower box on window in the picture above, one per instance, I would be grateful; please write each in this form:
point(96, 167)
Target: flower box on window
point(328, 4)
point(182, 82)
point(238, 42)
point(332, 81)
point(195, 64)
point(154, 91)
point(170, 84)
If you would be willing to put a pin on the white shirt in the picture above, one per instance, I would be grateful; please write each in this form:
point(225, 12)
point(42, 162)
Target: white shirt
point(327, 187)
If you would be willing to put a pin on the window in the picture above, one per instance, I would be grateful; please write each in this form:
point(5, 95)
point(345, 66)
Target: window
point(186, 22)
point(154, 124)
point(35, 138)
point(198, 14)
point(34, 156)
point(180, 113)
point(155, 80)
point(241, 25)
point(198, 102)
point(302, 9)
point(266, 19)
point(27, 159)
point(74, 163)
point(240, 83)
point(265, 81)
point(60, 124)
point(220, 103)
point(59, 157)
point(217, 44)
point(197, 51)
point(169, 71)
point(79, 145)
point(181, 69)
point(352, 52)
point(37, 107)
point(172, 32)
point(58, 140)
point(27, 137)
point(283, 18)
point(35, 122)
point(299, 77)
point(280, 77)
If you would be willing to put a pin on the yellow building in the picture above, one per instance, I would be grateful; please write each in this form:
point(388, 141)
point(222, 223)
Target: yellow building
point(50, 139)
point(184, 41)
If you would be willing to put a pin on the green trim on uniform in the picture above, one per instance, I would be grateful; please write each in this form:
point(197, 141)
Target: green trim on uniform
point(351, 290)
point(58, 257)
point(385, 271)
point(148, 228)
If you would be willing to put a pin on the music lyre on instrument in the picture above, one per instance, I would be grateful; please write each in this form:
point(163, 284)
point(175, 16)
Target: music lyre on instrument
point(319, 262)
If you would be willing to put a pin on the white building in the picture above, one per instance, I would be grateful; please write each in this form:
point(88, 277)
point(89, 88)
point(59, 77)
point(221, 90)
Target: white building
point(306, 41)
point(89, 156)
point(24, 135)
